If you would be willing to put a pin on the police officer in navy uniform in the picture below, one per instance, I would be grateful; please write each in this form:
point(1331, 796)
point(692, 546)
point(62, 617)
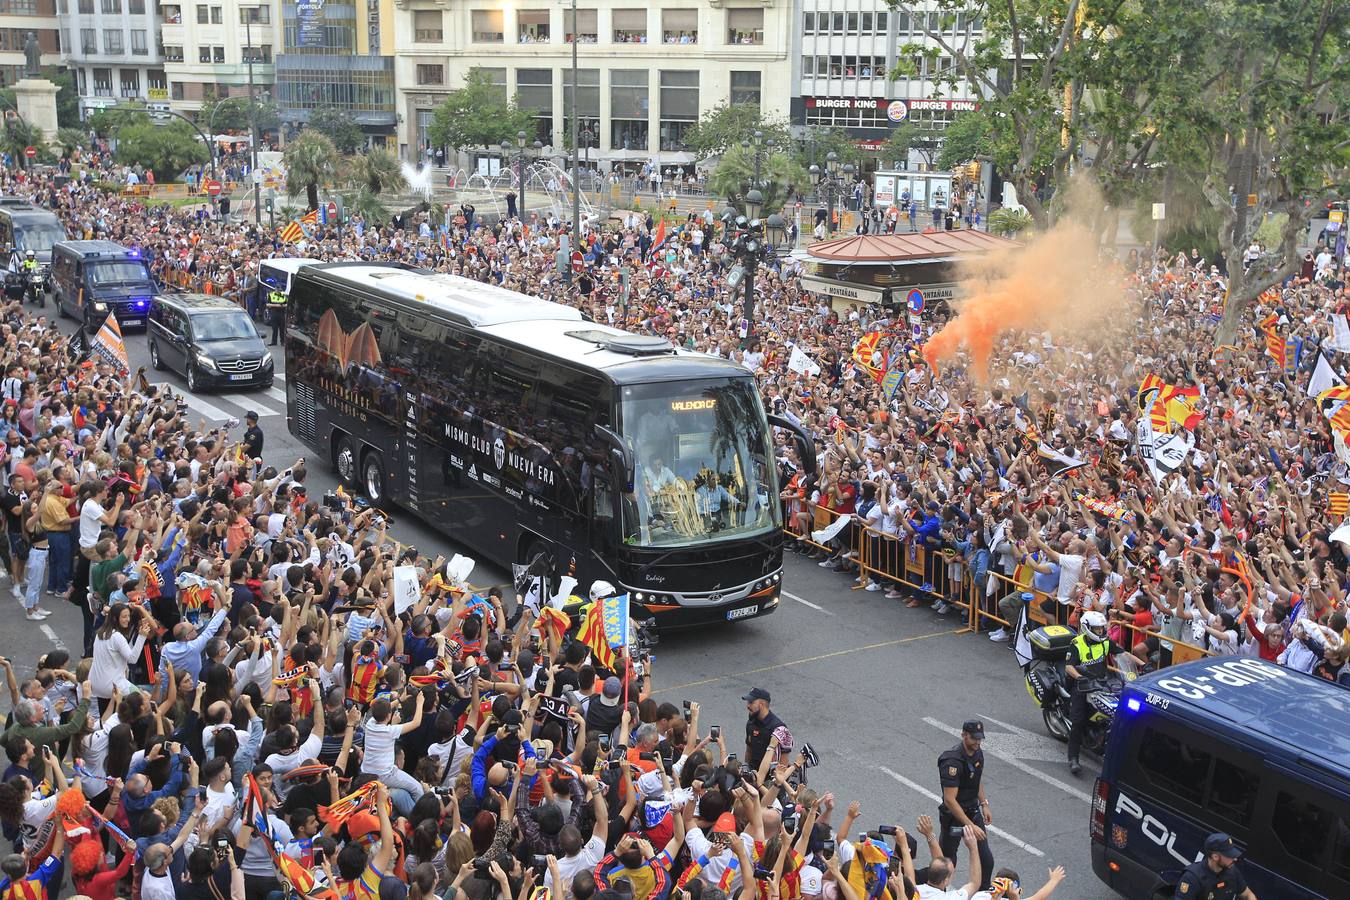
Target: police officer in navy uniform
point(961, 773)
point(760, 727)
point(1216, 877)
point(253, 437)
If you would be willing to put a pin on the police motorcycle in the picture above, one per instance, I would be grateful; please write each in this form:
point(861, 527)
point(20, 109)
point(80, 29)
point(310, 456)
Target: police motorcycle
point(36, 279)
point(1050, 687)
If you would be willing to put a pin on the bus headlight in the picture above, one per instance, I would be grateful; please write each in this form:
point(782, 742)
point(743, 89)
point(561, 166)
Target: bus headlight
point(639, 596)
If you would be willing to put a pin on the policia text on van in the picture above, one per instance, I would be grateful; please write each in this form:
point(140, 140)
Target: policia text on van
point(1233, 745)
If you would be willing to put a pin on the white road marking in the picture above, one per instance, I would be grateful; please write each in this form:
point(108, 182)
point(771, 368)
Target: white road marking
point(251, 401)
point(992, 829)
point(280, 377)
point(807, 603)
point(198, 405)
point(277, 394)
point(51, 636)
point(1017, 763)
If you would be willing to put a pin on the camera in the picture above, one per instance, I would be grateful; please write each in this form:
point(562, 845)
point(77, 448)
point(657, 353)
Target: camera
point(687, 712)
point(886, 830)
point(540, 861)
point(715, 732)
point(604, 743)
point(332, 501)
point(222, 845)
point(649, 757)
point(482, 867)
point(827, 848)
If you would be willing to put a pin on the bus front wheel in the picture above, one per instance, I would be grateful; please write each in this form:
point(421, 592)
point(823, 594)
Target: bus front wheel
point(344, 461)
point(373, 477)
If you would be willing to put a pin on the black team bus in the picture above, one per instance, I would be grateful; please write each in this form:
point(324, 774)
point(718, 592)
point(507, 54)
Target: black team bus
point(518, 427)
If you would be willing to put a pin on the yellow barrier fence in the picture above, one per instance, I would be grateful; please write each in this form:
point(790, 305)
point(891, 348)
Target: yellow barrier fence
point(897, 561)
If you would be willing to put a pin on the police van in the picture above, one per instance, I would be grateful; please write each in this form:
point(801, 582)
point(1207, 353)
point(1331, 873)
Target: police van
point(274, 276)
point(25, 227)
point(93, 278)
point(1226, 744)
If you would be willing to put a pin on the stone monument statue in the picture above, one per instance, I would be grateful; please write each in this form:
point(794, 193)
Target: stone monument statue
point(34, 95)
point(32, 55)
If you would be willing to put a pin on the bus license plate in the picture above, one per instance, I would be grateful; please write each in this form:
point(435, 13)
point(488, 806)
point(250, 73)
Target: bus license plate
point(244, 377)
point(743, 613)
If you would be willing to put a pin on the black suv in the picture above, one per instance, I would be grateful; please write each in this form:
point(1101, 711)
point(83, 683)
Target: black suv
point(212, 341)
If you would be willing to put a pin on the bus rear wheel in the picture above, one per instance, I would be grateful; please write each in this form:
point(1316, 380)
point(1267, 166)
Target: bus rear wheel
point(372, 477)
point(344, 461)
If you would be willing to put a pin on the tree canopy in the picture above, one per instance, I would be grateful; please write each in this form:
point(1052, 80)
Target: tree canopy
point(735, 176)
point(165, 149)
point(338, 127)
point(478, 115)
point(727, 125)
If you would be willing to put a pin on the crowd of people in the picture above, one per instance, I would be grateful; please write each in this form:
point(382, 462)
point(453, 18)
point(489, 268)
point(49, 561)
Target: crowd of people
point(250, 716)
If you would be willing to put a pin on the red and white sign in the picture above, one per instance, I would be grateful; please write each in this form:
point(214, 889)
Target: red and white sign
point(578, 261)
point(332, 211)
point(896, 110)
point(213, 187)
point(30, 152)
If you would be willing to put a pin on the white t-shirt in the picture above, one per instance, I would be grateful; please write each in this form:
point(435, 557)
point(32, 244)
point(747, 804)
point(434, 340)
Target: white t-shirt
point(1070, 570)
point(587, 858)
point(283, 763)
point(928, 892)
point(217, 804)
point(157, 887)
point(379, 748)
point(91, 526)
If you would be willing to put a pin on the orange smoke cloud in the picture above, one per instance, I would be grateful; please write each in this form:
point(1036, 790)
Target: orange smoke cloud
point(1053, 283)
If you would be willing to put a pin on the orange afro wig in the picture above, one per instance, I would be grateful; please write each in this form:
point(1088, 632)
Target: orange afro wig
point(71, 803)
point(85, 858)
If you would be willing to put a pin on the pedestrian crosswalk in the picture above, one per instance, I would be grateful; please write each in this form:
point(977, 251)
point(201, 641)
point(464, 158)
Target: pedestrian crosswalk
point(218, 407)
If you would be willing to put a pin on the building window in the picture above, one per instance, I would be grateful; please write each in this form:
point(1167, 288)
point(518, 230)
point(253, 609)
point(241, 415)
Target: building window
point(112, 40)
point(112, 7)
point(679, 26)
point(588, 100)
point(139, 47)
point(630, 26)
point(131, 83)
point(679, 107)
point(628, 108)
point(261, 55)
point(585, 26)
point(497, 78)
point(203, 15)
point(427, 26)
point(851, 66)
point(155, 80)
point(173, 54)
point(86, 7)
point(257, 15)
point(84, 85)
point(430, 74)
point(176, 90)
point(534, 91)
point(218, 54)
point(88, 41)
point(173, 15)
point(745, 26)
point(533, 26)
point(136, 7)
point(487, 26)
point(870, 114)
point(204, 53)
point(217, 15)
point(745, 89)
point(103, 83)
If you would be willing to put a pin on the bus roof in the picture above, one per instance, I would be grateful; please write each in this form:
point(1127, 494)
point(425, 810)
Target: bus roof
point(289, 263)
point(546, 327)
point(1306, 714)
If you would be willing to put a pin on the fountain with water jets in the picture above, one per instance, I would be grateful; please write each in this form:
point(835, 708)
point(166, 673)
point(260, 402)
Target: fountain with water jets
point(418, 179)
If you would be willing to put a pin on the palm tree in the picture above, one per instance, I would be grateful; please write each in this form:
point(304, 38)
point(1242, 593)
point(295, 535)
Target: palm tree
point(310, 159)
point(377, 171)
point(1009, 222)
point(734, 177)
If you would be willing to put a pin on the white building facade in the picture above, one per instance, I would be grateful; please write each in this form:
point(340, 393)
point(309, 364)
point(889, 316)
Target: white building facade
point(646, 73)
point(844, 53)
point(111, 47)
point(207, 46)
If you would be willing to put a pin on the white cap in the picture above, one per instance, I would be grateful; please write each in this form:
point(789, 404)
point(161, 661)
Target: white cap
point(812, 881)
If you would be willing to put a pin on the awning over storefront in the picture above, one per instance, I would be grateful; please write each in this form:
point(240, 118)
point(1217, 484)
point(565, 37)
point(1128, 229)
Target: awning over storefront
point(843, 290)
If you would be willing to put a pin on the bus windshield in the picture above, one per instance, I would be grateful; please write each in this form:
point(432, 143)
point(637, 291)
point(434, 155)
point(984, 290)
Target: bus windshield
point(38, 238)
point(122, 271)
point(703, 463)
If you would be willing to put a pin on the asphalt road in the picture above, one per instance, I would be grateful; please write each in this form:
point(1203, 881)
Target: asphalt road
point(878, 689)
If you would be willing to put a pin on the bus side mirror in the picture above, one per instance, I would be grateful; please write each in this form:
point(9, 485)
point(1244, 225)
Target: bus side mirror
point(805, 452)
point(621, 460)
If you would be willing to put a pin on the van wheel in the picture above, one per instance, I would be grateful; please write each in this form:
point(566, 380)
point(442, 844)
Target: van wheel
point(344, 461)
point(194, 381)
point(372, 477)
point(155, 362)
point(60, 307)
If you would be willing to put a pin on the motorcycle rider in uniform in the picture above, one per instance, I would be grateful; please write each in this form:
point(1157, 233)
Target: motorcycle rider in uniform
point(1087, 663)
point(30, 263)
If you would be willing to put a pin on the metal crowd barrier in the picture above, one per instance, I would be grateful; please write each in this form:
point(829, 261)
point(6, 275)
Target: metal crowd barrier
point(897, 560)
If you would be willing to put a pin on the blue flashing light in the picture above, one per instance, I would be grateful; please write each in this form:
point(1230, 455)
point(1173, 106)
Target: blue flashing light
point(1132, 704)
point(135, 254)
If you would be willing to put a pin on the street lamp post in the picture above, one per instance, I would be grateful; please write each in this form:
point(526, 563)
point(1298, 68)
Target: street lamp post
point(253, 120)
point(520, 167)
point(744, 235)
point(576, 172)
